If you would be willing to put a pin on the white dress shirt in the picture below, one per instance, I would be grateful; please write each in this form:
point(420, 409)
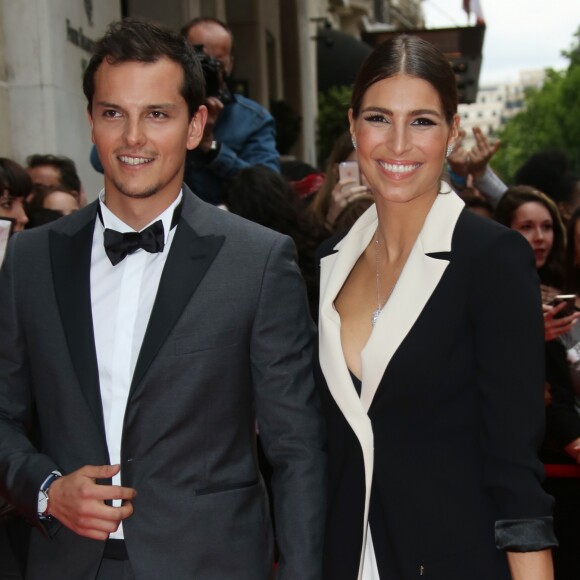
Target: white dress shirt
point(370, 568)
point(122, 298)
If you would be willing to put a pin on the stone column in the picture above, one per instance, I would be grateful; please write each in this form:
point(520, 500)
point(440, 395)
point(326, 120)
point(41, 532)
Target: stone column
point(44, 48)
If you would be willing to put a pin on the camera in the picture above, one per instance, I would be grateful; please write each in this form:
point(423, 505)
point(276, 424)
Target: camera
point(214, 75)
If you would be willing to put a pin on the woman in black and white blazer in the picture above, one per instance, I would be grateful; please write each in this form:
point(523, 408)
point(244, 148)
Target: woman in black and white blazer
point(431, 356)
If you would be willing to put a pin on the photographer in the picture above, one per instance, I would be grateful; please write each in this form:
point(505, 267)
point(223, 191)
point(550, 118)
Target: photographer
point(239, 132)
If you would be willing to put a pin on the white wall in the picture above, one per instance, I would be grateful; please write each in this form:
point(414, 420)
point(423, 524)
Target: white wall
point(46, 105)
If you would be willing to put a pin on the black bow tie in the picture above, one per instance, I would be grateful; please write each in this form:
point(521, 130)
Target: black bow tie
point(118, 246)
point(152, 239)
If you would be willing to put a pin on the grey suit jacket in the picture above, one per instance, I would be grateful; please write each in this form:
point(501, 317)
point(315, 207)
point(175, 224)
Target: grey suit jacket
point(228, 342)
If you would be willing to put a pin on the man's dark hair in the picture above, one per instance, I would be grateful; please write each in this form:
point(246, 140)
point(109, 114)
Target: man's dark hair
point(133, 40)
point(205, 20)
point(69, 177)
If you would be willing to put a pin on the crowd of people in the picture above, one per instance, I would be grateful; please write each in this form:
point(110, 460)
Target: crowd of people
point(148, 338)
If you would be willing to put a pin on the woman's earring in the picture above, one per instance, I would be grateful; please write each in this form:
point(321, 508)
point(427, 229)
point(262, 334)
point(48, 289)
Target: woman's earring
point(353, 139)
point(449, 150)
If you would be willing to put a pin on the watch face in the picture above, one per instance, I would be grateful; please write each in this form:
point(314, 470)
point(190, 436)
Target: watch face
point(42, 502)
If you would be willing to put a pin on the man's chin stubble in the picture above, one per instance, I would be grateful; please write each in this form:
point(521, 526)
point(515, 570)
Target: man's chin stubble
point(137, 194)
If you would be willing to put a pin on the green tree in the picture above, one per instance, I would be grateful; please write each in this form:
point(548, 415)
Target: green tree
point(551, 119)
point(332, 119)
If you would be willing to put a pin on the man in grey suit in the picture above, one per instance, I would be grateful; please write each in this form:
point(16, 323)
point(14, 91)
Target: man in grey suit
point(145, 336)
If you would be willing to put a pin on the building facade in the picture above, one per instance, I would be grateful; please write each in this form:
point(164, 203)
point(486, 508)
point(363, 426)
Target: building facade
point(496, 104)
point(45, 45)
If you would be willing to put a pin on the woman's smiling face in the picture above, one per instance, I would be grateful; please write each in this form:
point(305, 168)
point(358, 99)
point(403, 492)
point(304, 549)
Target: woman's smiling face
point(533, 220)
point(402, 137)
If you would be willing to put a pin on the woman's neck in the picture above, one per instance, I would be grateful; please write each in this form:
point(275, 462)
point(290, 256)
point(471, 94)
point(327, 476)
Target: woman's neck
point(400, 224)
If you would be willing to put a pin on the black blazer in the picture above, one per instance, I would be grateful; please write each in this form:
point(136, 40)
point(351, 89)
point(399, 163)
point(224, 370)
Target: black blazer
point(442, 442)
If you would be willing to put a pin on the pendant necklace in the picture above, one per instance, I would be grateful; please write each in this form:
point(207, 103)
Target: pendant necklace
point(376, 313)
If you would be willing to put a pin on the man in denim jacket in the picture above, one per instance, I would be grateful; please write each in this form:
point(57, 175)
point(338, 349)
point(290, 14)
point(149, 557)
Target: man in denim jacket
point(238, 133)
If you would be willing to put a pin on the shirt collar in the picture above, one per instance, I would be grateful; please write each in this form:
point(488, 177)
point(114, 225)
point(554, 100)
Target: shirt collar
point(110, 220)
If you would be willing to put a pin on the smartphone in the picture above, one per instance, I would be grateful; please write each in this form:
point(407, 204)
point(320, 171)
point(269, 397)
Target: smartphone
point(349, 171)
point(570, 307)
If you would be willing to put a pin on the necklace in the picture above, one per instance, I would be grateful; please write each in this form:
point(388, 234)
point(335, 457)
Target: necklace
point(377, 312)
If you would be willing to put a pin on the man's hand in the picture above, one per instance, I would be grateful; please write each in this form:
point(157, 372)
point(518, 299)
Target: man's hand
point(78, 502)
point(214, 109)
point(475, 160)
point(481, 153)
point(344, 193)
point(459, 158)
point(573, 450)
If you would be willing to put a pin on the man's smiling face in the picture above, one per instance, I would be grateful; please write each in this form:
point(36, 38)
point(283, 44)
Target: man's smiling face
point(140, 125)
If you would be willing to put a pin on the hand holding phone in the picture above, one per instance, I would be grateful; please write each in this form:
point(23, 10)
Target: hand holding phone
point(348, 171)
point(570, 308)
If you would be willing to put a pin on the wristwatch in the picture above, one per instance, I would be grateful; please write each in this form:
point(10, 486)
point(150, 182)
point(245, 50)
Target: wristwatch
point(43, 495)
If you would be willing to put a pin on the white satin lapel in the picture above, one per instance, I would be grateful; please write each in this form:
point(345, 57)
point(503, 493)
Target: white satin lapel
point(416, 284)
point(334, 270)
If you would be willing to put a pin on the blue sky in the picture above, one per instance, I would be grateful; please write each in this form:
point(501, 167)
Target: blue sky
point(520, 34)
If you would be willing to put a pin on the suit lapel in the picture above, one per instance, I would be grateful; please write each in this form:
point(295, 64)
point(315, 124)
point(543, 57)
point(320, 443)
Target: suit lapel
point(334, 270)
point(417, 282)
point(189, 258)
point(70, 253)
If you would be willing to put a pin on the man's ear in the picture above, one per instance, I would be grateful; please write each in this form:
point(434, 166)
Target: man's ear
point(196, 127)
point(230, 66)
point(90, 118)
point(454, 133)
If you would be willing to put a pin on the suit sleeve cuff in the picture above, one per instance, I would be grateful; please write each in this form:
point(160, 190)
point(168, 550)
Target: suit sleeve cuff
point(526, 535)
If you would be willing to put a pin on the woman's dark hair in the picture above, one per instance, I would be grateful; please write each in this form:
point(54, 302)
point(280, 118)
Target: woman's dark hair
point(350, 214)
point(410, 55)
point(544, 171)
point(551, 272)
point(133, 40)
point(265, 197)
point(14, 178)
point(572, 262)
point(474, 202)
point(320, 205)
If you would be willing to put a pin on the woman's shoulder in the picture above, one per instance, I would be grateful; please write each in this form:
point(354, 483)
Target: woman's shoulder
point(475, 234)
